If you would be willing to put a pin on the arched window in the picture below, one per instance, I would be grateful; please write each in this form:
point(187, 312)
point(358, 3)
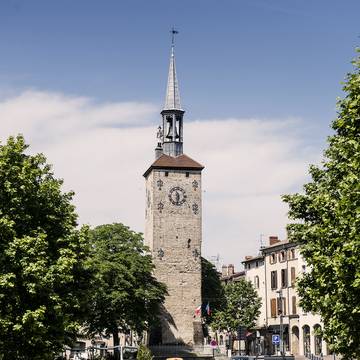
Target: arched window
point(306, 340)
point(317, 339)
point(256, 282)
point(295, 340)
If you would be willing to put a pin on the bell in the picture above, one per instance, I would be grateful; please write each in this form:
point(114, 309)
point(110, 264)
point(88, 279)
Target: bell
point(170, 131)
point(169, 120)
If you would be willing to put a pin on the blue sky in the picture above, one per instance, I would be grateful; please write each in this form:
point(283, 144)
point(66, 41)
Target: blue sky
point(269, 64)
point(235, 57)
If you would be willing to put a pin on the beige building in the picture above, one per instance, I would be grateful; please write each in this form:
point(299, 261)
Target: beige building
point(274, 273)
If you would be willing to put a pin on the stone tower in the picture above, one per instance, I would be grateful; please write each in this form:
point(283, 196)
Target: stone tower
point(173, 223)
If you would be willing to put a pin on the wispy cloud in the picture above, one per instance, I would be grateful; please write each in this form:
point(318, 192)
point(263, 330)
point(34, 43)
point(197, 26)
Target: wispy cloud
point(53, 116)
point(102, 149)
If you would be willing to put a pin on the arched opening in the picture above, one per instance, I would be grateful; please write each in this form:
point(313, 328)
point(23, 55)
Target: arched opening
point(306, 340)
point(295, 340)
point(317, 339)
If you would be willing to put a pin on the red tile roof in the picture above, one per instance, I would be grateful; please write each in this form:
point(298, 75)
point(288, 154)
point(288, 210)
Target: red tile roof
point(182, 162)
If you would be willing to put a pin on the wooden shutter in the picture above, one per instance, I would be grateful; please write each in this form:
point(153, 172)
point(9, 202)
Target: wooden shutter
point(293, 276)
point(294, 305)
point(273, 307)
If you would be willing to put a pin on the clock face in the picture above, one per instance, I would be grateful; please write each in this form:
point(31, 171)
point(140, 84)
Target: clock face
point(177, 196)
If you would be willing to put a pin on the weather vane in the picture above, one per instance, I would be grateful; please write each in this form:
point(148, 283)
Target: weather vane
point(173, 33)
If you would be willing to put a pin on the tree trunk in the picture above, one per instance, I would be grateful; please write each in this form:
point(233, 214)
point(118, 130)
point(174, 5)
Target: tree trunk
point(116, 342)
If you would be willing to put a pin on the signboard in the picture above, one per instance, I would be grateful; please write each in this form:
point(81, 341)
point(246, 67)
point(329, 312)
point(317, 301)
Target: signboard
point(276, 339)
point(241, 333)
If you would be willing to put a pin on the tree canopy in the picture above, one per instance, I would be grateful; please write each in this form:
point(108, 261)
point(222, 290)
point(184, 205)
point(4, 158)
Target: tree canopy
point(328, 228)
point(42, 254)
point(125, 294)
point(212, 291)
point(241, 308)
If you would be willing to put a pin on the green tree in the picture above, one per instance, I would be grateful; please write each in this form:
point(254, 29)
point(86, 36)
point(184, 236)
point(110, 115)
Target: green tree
point(241, 308)
point(42, 255)
point(144, 353)
point(212, 291)
point(329, 228)
point(125, 293)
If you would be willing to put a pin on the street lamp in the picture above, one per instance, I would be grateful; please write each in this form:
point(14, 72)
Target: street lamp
point(280, 312)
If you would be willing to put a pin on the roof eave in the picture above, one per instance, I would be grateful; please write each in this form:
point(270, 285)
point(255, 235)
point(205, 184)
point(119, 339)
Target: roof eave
point(152, 167)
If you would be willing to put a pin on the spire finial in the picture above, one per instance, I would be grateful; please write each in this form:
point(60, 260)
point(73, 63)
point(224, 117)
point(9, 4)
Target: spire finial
point(173, 33)
point(172, 100)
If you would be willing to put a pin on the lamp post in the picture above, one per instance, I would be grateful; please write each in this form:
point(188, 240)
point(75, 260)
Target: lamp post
point(280, 311)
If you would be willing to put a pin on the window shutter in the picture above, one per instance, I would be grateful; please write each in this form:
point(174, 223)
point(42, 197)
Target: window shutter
point(273, 307)
point(293, 277)
point(294, 305)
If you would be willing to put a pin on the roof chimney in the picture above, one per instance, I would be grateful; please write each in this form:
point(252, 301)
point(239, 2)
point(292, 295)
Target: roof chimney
point(273, 240)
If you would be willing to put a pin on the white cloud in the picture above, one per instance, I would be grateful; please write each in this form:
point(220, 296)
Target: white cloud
point(101, 151)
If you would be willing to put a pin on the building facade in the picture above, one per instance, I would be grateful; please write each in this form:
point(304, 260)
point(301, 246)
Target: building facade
point(274, 272)
point(173, 224)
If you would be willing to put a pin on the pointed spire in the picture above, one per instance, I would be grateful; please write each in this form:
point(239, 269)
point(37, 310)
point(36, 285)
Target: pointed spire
point(172, 100)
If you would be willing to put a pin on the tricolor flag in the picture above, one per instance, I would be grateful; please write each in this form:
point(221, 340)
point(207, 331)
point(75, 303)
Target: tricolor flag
point(207, 309)
point(198, 311)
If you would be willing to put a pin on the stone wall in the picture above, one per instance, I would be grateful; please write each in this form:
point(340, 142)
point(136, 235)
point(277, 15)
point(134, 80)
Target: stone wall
point(173, 234)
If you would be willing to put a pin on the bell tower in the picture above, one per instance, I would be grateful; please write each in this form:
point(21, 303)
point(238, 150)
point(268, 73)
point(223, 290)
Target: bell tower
point(172, 113)
point(173, 223)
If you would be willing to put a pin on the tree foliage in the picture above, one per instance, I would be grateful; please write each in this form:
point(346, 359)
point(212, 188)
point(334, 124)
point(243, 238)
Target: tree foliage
point(125, 294)
point(42, 273)
point(144, 353)
point(241, 308)
point(212, 291)
point(329, 228)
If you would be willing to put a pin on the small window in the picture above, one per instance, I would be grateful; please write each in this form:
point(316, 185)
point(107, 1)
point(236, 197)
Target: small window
point(187, 174)
point(283, 278)
point(291, 254)
point(273, 258)
point(257, 264)
point(256, 282)
point(166, 173)
point(282, 256)
point(274, 280)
